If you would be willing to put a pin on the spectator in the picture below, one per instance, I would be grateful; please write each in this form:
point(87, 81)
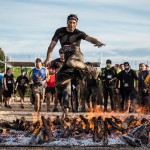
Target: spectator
point(147, 84)
point(121, 67)
point(107, 75)
point(127, 78)
point(143, 90)
point(117, 99)
point(147, 68)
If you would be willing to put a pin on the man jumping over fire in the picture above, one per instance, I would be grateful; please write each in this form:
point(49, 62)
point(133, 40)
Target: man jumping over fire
point(70, 39)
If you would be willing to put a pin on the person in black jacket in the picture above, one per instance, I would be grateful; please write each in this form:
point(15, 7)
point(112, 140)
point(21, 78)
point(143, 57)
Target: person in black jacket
point(143, 90)
point(127, 78)
point(21, 86)
point(108, 73)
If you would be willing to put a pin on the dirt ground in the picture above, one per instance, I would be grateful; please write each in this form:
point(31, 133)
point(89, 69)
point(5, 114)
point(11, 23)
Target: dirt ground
point(29, 113)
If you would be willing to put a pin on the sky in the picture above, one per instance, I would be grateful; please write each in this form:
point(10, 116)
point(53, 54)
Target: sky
point(27, 26)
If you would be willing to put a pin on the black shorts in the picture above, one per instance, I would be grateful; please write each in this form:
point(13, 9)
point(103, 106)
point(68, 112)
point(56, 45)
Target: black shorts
point(129, 94)
point(8, 93)
point(50, 90)
point(21, 92)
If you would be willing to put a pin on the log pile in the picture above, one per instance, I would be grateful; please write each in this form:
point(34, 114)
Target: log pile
point(133, 131)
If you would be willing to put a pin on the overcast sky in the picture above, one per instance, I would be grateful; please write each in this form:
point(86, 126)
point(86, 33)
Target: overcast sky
point(27, 26)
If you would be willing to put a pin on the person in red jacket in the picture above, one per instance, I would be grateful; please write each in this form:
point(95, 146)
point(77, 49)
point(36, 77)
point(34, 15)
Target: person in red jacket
point(55, 65)
point(50, 88)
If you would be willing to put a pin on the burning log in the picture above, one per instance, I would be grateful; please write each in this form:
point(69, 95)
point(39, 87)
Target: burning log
point(57, 121)
point(136, 131)
point(131, 141)
point(144, 120)
point(36, 125)
point(47, 129)
point(30, 128)
point(73, 125)
point(87, 128)
point(144, 136)
point(70, 129)
point(118, 121)
point(80, 127)
point(95, 133)
point(35, 135)
point(140, 132)
point(127, 122)
point(66, 133)
point(101, 124)
point(6, 124)
point(114, 125)
point(105, 141)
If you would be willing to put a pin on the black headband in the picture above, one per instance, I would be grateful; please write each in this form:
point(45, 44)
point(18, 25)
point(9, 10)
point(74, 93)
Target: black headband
point(73, 18)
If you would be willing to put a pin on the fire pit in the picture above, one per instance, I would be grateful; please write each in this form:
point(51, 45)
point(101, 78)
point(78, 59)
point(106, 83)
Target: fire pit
point(77, 130)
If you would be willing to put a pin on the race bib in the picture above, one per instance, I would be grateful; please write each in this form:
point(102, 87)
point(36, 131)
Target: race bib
point(9, 82)
point(126, 85)
point(109, 76)
point(23, 81)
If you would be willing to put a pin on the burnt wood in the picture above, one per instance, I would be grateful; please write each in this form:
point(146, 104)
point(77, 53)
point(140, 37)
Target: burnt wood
point(87, 128)
point(47, 129)
point(127, 122)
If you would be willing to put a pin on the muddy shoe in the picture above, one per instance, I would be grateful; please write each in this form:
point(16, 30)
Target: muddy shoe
point(6, 104)
point(48, 110)
point(9, 107)
point(22, 106)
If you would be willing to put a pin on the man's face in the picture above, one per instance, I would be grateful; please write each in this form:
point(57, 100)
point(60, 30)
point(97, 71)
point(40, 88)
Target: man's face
point(23, 73)
point(61, 55)
point(38, 64)
point(126, 67)
point(108, 64)
point(9, 71)
point(122, 67)
point(142, 67)
point(71, 25)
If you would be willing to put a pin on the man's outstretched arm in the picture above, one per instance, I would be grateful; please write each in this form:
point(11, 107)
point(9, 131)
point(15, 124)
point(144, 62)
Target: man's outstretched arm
point(50, 49)
point(94, 41)
point(49, 52)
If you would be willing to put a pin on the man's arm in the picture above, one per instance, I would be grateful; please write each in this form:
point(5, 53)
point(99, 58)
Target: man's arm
point(94, 41)
point(49, 52)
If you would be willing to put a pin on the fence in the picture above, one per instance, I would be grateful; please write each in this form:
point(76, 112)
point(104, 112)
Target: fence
point(134, 61)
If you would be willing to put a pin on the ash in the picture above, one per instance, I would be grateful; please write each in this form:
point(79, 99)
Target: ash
point(19, 138)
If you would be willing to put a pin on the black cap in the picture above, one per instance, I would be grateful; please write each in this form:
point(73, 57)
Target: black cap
point(126, 64)
point(72, 17)
point(108, 61)
point(61, 51)
point(38, 59)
